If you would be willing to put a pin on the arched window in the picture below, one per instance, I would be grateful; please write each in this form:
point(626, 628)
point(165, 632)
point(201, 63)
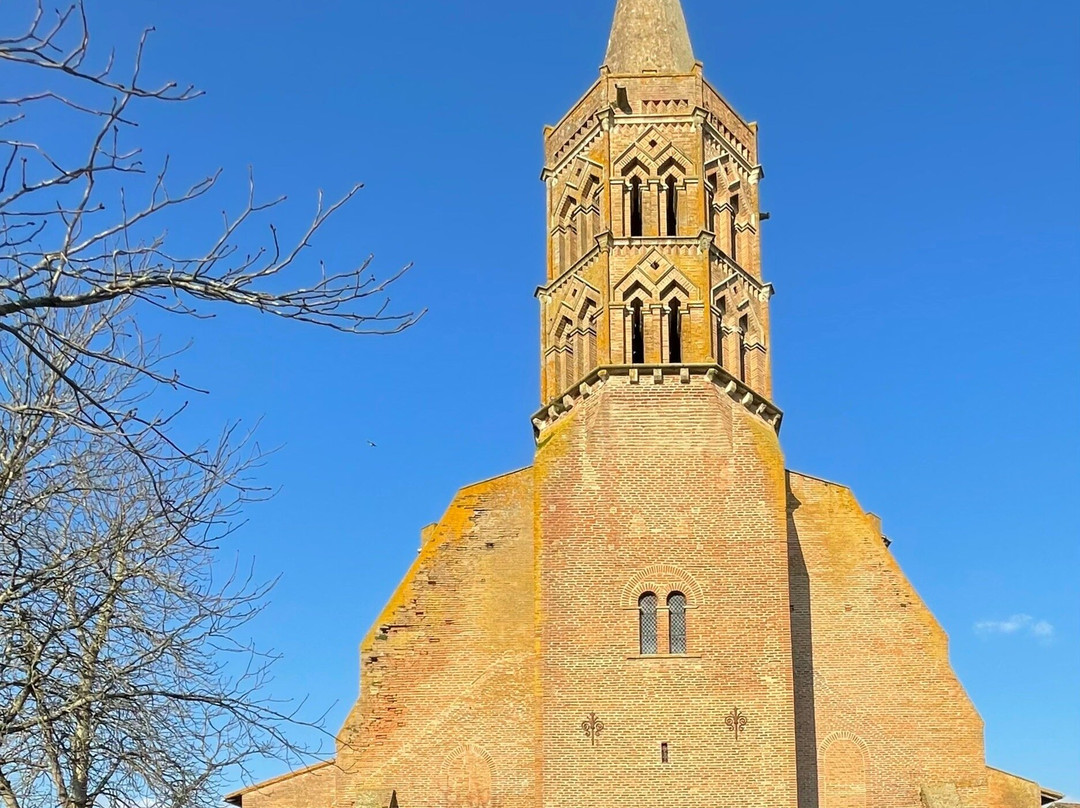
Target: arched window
point(672, 208)
point(744, 326)
point(721, 310)
point(674, 333)
point(710, 202)
point(676, 604)
point(564, 340)
point(647, 623)
point(635, 208)
point(596, 209)
point(637, 334)
point(584, 227)
point(733, 235)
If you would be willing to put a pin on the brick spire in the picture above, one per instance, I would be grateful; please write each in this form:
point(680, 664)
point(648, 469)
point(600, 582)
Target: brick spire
point(649, 35)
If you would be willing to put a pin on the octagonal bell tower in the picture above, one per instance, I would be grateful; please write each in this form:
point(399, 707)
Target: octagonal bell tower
point(653, 219)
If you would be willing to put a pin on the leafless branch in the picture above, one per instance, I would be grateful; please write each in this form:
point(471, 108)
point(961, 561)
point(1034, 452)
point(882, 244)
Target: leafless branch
point(124, 679)
point(69, 237)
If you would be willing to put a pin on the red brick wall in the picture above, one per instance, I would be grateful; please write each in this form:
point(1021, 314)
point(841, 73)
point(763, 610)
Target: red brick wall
point(447, 712)
point(661, 487)
point(313, 787)
point(876, 674)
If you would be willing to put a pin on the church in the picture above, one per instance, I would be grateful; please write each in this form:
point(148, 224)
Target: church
point(657, 612)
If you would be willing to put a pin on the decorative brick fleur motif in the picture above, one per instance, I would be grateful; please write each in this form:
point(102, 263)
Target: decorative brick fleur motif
point(736, 722)
point(592, 726)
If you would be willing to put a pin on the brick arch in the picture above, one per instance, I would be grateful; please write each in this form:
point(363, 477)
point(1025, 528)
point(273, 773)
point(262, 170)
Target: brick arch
point(467, 777)
point(568, 302)
point(673, 162)
point(746, 294)
point(567, 205)
point(571, 173)
point(653, 273)
point(639, 292)
point(844, 771)
point(587, 310)
point(721, 164)
point(590, 188)
point(844, 735)
point(562, 328)
point(756, 329)
point(663, 579)
point(675, 288)
point(585, 177)
point(637, 164)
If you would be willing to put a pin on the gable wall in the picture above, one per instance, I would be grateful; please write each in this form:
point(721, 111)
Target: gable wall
point(872, 667)
point(447, 710)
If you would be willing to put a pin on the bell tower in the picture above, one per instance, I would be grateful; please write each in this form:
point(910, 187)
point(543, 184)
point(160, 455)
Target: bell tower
point(662, 592)
point(654, 258)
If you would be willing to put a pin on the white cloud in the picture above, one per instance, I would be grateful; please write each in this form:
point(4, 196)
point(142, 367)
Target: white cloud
point(1017, 624)
point(1042, 629)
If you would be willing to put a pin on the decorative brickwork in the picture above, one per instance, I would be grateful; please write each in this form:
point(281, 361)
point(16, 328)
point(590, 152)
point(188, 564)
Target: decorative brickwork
point(736, 722)
point(657, 612)
point(663, 579)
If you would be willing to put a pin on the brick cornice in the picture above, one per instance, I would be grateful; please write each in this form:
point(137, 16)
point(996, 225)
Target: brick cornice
point(595, 381)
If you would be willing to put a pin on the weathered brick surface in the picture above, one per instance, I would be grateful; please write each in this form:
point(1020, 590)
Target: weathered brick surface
point(1009, 791)
point(519, 622)
point(313, 787)
point(447, 712)
point(872, 666)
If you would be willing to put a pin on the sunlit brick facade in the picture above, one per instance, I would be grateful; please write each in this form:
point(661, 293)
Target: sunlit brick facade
point(658, 612)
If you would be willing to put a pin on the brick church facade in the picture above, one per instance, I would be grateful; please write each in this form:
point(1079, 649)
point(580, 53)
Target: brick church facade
point(657, 612)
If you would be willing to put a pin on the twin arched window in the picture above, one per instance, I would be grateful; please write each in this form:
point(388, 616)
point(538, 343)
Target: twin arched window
point(648, 605)
point(674, 314)
point(669, 204)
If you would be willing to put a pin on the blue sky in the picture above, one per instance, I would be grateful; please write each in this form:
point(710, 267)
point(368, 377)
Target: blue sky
point(922, 172)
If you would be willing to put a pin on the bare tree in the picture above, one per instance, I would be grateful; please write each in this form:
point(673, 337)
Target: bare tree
point(123, 680)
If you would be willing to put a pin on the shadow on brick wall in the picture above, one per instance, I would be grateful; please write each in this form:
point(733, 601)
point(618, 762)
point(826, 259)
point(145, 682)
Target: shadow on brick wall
point(802, 657)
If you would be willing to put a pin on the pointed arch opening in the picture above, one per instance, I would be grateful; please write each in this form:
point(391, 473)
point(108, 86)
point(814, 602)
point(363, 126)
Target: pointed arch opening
point(672, 207)
point(675, 332)
point(733, 234)
point(564, 345)
point(710, 202)
point(721, 312)
point(568, 233)
point(594, 207)
point(636, 218)
point(744, 326)
point(637, 333)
